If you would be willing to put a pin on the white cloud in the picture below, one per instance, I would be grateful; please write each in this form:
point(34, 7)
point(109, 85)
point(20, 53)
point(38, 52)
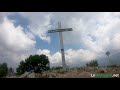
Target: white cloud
point(73, 57)
point(39, 24)
point(44, 51)
point(55, 58)
point(2, 14)
point(78, 57)
point(14, 36)
point(13, 41)
point(87, 26)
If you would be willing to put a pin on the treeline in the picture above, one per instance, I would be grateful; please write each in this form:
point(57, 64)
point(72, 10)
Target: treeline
point(37, 64)
point(34, 63)
point(4, 70)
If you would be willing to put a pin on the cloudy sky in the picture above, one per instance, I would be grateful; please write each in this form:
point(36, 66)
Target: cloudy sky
point(25, 33)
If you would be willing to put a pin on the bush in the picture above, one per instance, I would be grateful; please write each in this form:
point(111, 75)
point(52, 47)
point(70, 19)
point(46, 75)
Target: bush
point(93, 63)
point(37, 63)
point(56, 68)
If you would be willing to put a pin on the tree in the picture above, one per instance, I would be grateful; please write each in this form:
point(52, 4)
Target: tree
point(107, 53)
point(10, 71)
point(93, 63)
point(37, 63)
point(3, 70)
point(21, 68)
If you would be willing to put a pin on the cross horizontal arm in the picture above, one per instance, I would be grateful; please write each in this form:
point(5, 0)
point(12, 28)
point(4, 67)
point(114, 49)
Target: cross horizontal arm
point(60, 30)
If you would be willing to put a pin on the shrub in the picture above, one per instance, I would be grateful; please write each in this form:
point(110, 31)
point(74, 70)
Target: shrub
point(37, 63)
point(93, 63)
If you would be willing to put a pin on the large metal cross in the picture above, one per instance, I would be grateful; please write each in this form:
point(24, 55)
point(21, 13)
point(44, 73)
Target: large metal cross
point(61, 41)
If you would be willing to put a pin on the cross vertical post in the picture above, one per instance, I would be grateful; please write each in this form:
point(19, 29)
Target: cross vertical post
point(61, 41)
point(62, 47)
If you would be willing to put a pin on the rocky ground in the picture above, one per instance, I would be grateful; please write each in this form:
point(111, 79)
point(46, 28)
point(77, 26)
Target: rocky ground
point(77, 73)
point(70, 73)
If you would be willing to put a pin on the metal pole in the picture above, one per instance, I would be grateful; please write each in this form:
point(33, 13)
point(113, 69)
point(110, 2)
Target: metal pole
point(62, 47)
point(109, 59)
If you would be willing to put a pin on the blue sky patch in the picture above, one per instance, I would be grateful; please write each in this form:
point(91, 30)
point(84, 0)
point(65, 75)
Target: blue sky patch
point(19, 20)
